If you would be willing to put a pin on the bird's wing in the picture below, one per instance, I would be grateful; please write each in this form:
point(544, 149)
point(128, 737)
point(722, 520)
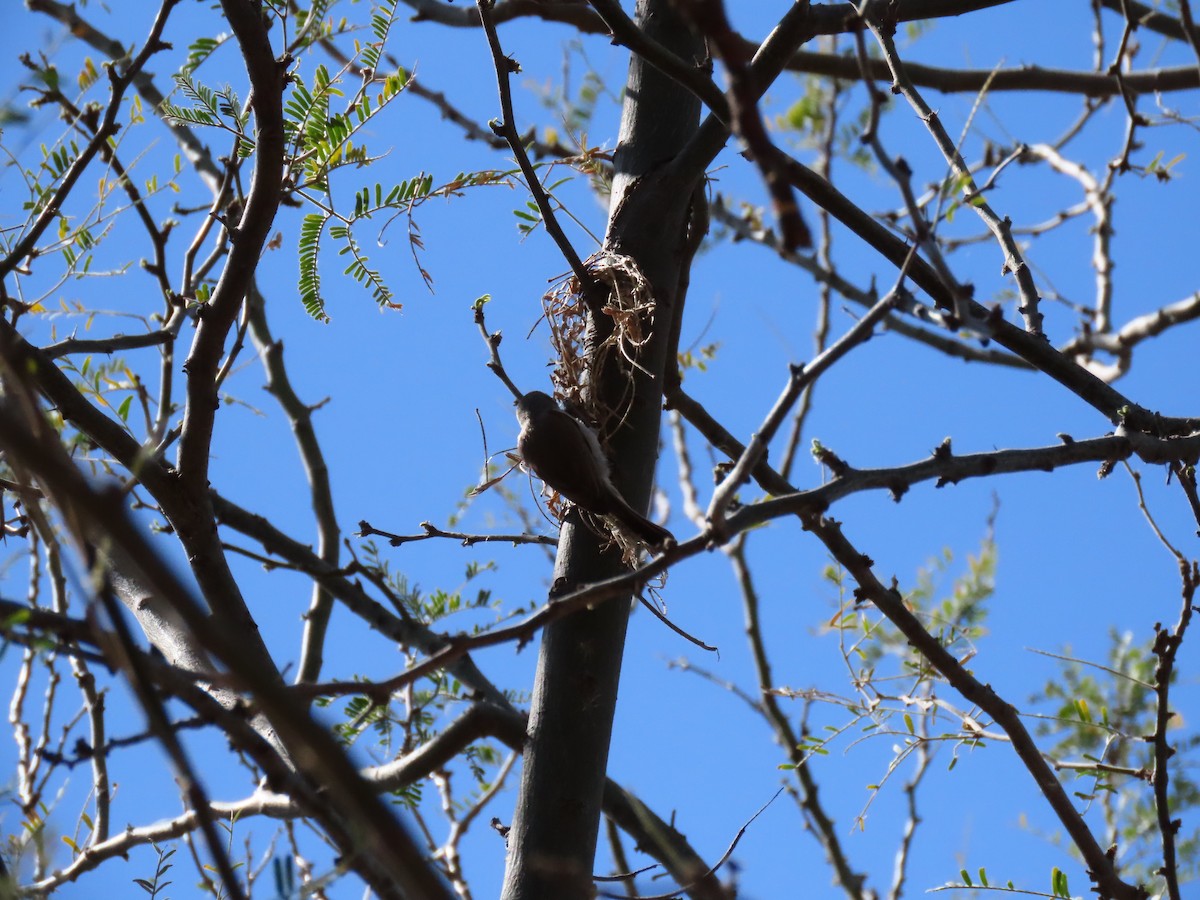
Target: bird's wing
point(572, 463)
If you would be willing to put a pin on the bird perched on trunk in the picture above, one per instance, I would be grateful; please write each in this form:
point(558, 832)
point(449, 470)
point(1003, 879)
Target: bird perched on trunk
point(565, 453)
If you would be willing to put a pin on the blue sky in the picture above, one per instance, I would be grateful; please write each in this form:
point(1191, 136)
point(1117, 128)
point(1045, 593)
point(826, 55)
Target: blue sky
point(1076, 559)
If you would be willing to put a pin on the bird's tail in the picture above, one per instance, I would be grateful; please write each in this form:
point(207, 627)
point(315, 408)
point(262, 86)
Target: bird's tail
point(652, 535)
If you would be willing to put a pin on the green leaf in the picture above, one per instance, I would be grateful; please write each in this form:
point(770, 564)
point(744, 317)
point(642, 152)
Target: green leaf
point(310, 280)
point(1058, 883)
point(1081, 707)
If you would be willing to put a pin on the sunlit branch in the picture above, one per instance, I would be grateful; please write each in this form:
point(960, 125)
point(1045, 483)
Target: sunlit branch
point(888, 601)
point(506, 127)
point(120, 77)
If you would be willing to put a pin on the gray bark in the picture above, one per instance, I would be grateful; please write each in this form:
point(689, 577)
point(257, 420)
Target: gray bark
point(552, 843)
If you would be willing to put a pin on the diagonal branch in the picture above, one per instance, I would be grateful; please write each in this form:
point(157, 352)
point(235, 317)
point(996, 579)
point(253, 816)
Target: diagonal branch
point(388, 859)
point(506, 128)
point(1034, 349)
point(279, 385)
point(1101, 867)
point(801, 377)
point(120, 79)
point(744, 91)
point(336, 582)
point(196, 151)
point(114, 344)
point(1014, 261)
point(248, 237)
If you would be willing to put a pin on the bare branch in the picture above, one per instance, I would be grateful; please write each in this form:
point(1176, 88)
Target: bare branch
point(506, 127)
point(120, 77)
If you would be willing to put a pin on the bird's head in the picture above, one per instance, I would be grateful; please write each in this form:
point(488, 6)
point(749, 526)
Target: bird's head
point(534, 404)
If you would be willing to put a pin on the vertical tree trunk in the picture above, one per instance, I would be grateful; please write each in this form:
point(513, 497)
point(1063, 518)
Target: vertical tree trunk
point(552, 843)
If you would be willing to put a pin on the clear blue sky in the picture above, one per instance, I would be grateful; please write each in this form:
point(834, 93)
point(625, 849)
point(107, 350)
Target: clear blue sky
point(1075, 557)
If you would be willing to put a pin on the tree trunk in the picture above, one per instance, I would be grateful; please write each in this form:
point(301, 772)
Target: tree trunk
point(552, 844)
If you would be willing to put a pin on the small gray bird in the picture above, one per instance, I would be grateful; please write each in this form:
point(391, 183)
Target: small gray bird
point(565, 453)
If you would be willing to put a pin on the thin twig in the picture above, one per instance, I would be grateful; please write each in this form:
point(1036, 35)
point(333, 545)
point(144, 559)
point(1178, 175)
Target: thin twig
point(506, 128)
